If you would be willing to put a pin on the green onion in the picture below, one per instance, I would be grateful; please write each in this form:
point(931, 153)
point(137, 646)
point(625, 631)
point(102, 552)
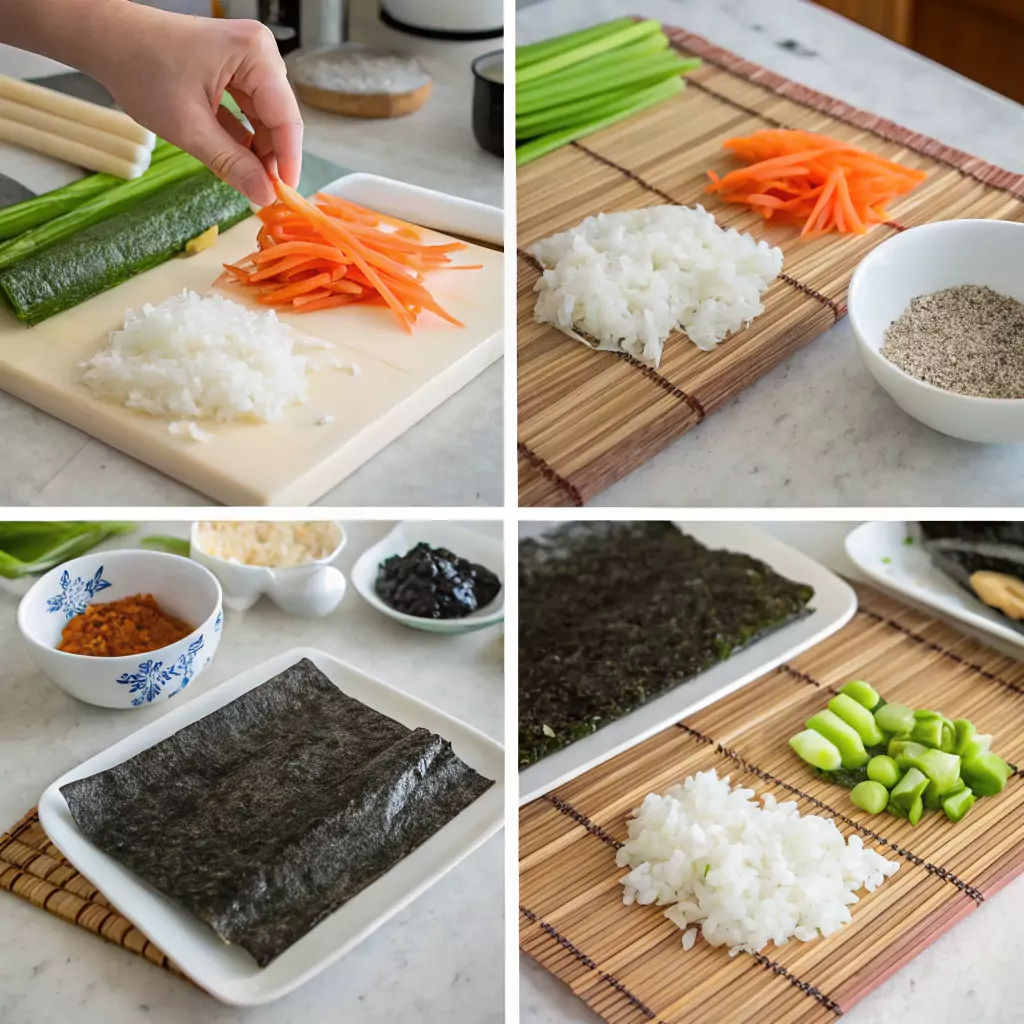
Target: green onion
point(21, 217)
point(562, 44)
point(28, 548)
point(557, 61)
point(548, 143)
point(870, 796)
point(812, 747)
point(858, 718)
point(883, 769)
point(100, 207)
point(863, 693)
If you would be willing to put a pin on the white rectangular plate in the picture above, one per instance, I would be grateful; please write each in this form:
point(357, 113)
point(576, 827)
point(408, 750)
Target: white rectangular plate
point(832, 607)
point(227, 972)
point(880, 551)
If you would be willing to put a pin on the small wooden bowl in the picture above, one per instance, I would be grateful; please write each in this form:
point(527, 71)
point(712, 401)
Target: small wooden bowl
point(374, 105)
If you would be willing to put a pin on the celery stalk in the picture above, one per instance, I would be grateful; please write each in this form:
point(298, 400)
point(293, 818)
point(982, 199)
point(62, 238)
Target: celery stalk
point(566, 117)
point(545, 144)
point(535, 52)
point(624, 36)
point(636, 76)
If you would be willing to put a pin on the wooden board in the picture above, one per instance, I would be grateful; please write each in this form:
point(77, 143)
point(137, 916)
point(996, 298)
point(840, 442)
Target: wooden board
point(627, 963)
point(587, 419)
point(291, 461)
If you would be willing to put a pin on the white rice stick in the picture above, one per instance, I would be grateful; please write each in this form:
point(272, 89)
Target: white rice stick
point(63, 127)
point(624, 282)
point(78, 153)
point(103, 118)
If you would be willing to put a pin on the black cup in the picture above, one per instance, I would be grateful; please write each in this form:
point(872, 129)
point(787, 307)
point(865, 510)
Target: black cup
point(489, 104)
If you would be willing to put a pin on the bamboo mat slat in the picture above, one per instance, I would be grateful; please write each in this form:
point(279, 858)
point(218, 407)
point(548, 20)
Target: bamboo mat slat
point(587, 419)
point(34, 869)
point(627, 963)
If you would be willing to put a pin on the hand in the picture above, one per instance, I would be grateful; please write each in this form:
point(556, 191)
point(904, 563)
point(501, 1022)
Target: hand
point(169, 71)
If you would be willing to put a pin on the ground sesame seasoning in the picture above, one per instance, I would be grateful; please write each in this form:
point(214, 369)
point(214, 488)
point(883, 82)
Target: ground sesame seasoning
point(968, 339)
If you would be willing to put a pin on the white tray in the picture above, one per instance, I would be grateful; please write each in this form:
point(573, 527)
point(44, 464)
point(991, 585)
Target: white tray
point(227, 972)
point(880, 552)
point(833, 606)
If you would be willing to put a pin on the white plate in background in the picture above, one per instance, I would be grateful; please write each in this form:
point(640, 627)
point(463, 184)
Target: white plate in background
point(227, 972)
point(833, 605)
point(880, 551)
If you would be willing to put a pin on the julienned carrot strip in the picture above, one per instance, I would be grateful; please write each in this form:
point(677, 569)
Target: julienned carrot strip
point(327, 252)
point(329, 303)
point(302, 287)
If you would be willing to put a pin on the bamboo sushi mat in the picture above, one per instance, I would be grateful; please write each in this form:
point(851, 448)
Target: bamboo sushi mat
point(34, 869)
point(627, 963)
point(587, 419)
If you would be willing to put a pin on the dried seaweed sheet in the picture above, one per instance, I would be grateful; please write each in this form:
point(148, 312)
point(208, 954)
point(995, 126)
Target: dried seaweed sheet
point(268, 814)
point(612, 615)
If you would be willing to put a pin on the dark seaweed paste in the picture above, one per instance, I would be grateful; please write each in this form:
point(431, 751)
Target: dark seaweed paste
point(612, 615)
point(434, 583)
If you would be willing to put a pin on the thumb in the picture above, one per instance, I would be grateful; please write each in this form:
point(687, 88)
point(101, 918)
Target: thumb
point(232, 162)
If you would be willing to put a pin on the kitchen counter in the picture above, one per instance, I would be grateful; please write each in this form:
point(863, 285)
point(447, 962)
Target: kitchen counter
point(438, 960)
point(50, 463)
point(827, 435)
point(969, 974)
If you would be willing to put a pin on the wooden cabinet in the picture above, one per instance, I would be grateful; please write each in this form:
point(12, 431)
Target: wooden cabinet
point(981, 39)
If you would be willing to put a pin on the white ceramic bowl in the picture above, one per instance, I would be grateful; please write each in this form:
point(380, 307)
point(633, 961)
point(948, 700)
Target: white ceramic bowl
point(463, 542)
point(312, 590)
point(921, 261)
point(182, 588)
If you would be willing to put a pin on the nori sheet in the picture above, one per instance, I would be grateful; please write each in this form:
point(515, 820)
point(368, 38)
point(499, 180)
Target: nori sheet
point(612, 615)
point(268, 814)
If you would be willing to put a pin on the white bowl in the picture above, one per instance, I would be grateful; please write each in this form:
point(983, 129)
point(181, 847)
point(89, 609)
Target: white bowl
point(465, 543)
point(182, 588)
point(921, 261)
point(312, 590)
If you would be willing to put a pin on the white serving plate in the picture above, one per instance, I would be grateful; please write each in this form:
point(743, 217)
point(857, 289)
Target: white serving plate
point(466, 543)
point(833, 606)
point(227, 972)
point(879, 551)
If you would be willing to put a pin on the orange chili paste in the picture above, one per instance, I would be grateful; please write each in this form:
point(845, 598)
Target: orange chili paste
point(132, 625)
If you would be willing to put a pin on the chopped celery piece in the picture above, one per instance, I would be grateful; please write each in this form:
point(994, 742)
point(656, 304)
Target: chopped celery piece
point(592, 48)
point(813, 748)
point(845, 738)
point(977, 744)
point(870, 796)
point(895, 719)
point(928, 729)
point(910, 788)
point(858, 718)
point(534, 52)
point(863, 693)
point(885, 770)
point(964, 731)
point(985, 774)
point(915, 811)
point(942, 768)
point(901, 749)
point(956, 805)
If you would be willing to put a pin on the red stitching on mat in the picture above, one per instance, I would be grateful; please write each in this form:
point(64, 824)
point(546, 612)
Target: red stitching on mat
point(666, 384)
point(838, 311)
point(548, 471)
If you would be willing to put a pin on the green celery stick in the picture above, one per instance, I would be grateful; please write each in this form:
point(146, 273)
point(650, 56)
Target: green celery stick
point(609, 63)
point(548, 143)
point(603, 107)
point(99, 208)
point(558, 61)
point(648, 71)
point(534, 52)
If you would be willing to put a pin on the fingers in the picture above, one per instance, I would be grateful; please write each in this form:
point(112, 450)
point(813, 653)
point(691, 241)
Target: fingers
point(272, 106)
point(228, 157)
point(235, 128)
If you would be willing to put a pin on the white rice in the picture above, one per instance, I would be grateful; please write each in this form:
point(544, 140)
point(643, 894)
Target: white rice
point(201, 358)
point(626, 281)
point(745, 873)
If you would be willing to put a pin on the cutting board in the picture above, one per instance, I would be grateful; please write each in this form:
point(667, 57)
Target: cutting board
point(627, 963)
point(292, 461)
point(588, 419)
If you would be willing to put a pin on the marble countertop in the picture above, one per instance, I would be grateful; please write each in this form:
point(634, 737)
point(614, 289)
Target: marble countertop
point(438, 960)
point(827, 435)
point(50, 463)
point(970, 973)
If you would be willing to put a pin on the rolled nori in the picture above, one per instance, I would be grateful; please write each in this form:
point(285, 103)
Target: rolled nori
point(268, 814)
point(116, 249)
point(612, 615)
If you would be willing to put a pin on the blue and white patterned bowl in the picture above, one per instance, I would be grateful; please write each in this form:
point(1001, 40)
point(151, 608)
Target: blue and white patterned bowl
point(181, 587)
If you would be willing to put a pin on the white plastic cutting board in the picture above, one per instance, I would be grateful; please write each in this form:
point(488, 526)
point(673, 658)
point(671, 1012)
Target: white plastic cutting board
point(292, 461)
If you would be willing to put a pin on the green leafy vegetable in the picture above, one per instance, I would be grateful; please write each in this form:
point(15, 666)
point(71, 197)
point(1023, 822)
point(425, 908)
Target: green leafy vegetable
point(164, 542)
point(29, 548)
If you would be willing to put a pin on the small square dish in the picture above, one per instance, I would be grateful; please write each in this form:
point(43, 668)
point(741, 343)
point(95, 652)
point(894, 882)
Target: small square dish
point(226, 971)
